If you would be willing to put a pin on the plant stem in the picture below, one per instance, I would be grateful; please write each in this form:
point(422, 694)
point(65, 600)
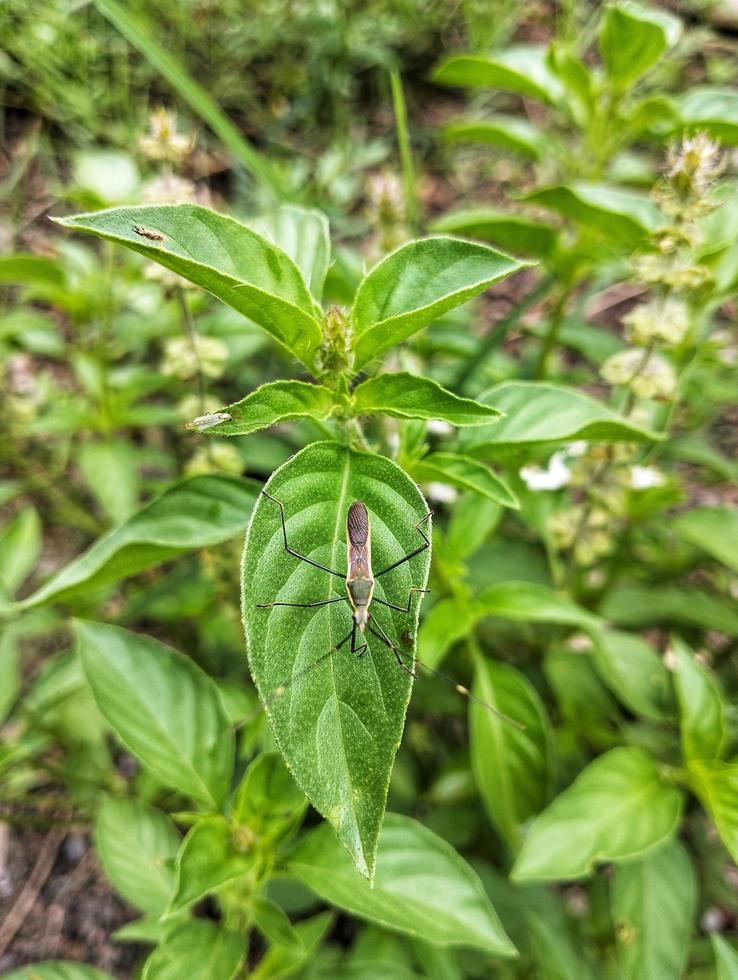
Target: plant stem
point(189, 326)
point(406, 157)
point(551, 338)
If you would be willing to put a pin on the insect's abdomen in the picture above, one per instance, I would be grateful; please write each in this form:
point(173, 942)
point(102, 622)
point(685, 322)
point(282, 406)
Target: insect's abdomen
point(357, 524)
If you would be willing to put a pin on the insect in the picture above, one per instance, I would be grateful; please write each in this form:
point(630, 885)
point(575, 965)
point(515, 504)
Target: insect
point(360, 580)
point(203, 422)
point(150, 233)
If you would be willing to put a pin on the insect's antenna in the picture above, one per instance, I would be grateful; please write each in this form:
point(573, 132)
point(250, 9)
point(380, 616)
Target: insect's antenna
point(459, 688)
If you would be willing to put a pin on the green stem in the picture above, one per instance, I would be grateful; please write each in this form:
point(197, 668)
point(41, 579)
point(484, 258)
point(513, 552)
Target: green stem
point(189, 326)
point(551, 337)
point(406, 156)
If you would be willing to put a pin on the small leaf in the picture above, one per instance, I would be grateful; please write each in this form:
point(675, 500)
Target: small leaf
point(163, 707)
point(716, 784)
point(304, 235)
point(417, 283)
point(221, 255)
point(111, 472)
point(506, 132)
point(340, 718)
point(135, 844)
point(20, 546)
point(701, 709)
point(726, 958)
point(195, 513)
point(627, 217)
point(634, 672)
point(423, 887)
point(273, 922)
point(712, 110)
point(448, 622)
point(278, 401)
point(56, 970)
point(646, 605)
point(714, 530)
point(617, 808)
point(532, 603)
point(512, 767)
point(408, 396)
point(537, 414)
point(633, 38)
point(207, 859)
point(521, 68)
point(198, 950)
point(280, 962)
point(466, 473)
point(654, 901)
point(268, 799)
point(514, 232)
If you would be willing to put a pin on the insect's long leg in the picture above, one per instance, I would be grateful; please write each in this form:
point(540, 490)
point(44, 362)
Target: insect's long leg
point(460, 688)
point(426, 544)
point(360, 650)
point(404, 609)
point(303, 605)
point(291, 551)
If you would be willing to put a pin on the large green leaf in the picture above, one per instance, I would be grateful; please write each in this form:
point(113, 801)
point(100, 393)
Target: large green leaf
point(714, 110)
point(726, 958)
point(195, 513)
point(512, 766)
point(645, 605)
point(530, 602)
point(634, 672)
point(714, 530)
point(521, 68)
point(409, 396)
point(512, 231)
point(716, 784)
point(340, 718)
point(423, 887)
point(622, 215)
point(198, 950)
point(207, 860)
point(278, 401)
point(618, 808)
point(465, 473)
point(633, 38)
point(135, 844)
point(536, 414)
point(417, 283)
point(701, 709)
point(304, 235)
point(163, 707)
point(653, 906)
point(228, 259)
point(512, 133)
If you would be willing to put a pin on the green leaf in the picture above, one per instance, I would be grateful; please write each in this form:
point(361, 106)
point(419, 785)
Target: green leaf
point(726, 958)
point(268, 799)
point(195, 513)
point(163, 707)
point(530, 602)
point(226, 258)
point(634, 672)
point(416, 284)
point(135, 844)
point(713, 110)
point(110, 470)
point(514, 232)
point(207, 859)
point(654, 901)
point(10, 669)
point(340, 719)
point(408, 396)
point(714, 530)
point(521, 68)
point(627, 217)
point(280, 962)
point(716, 784)
point(466, 473)
point(448, 622)
point(512, 767)
point(304, 235)
point(198, 950)
point(646, 605)
point(278, 401)
point(506, 132)
point(701, 709)
point(633, 38)
point(537, 414)
point(274, 923)
point(423, 887)
point(20, 546)
point(56, 970)
point(617, 808)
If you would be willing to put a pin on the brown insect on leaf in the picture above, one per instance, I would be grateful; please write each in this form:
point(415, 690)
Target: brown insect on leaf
point(150, 233)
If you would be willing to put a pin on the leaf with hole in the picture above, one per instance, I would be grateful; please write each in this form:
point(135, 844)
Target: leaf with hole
point(162, 707)
point(340, 717)
point(229, 260)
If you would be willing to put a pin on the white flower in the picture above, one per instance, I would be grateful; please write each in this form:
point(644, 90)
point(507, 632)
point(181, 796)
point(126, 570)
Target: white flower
point(645, 477)
point(442, 493)
point(440, 428)
point(578, 448)
point(556, 475)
